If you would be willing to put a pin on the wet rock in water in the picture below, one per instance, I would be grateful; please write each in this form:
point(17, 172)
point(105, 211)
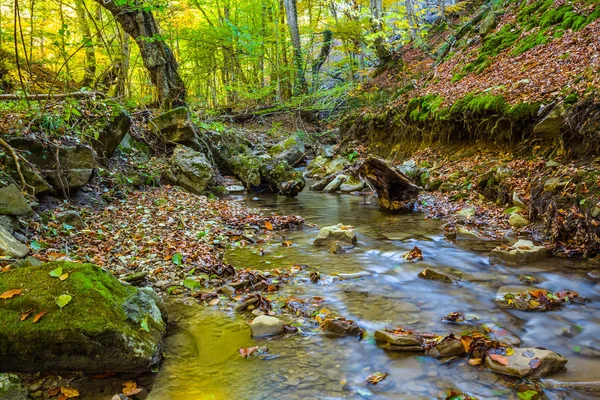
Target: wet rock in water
point(521, 253)
point(449, 346)
point(530, 363)
point(227, 290)
point(9, 246)
point(106, 326)
point(594, 275)
point(352, 184)
point(322, 184)
point(400, 340)
point(341, 233)
point(265, 325)
point(356, 275)
point(518, 221)
point(235, 188)
point(69, 217)
point(11, 388)
point(338, 247)
point(12, 202)
point(433, 275)
point(190, 169)
point(341, 327)
point(335, 184)
point(291, 150)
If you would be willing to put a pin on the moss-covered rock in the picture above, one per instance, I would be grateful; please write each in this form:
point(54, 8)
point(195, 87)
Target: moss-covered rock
point(175, 127)
point(12, 202)
point(190, 169)
point(11, 388)
point(113, 133)
point(291, 150)
point(107, 325)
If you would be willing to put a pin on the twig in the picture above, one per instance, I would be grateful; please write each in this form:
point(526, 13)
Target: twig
point(17, 163)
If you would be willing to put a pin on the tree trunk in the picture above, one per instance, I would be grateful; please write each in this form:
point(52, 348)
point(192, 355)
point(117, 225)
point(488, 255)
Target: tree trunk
point(383, 53)
point(156, 54)
point(325, 50)
point(90, 55)
point(292, 20)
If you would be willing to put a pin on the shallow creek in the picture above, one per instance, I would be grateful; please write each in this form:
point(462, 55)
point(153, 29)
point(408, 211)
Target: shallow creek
point(202, 359)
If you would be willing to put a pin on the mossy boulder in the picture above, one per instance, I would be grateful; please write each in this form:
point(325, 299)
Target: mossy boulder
point(291, 150)
point(190, 169)
point(11, 388)
point(107, 325)
point(176, 127)
point(12, 202)
point(113, 133)
point(278, 173)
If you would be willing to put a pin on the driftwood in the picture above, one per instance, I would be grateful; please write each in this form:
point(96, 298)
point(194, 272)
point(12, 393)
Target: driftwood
point(58, 96)
point(395, 191)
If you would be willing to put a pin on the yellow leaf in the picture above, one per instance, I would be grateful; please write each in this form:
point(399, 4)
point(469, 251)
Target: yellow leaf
point(269, 225)
point(63, 277)
point(69, 392)
point(38, 316)
point(10, 294)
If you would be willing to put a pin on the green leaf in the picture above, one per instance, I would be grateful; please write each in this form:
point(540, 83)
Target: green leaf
point(177, 259)
point(35, 245)
point(55, 273)
point(527, 395)
point(63, 300)
point(576, 349)
point(144, 324)
point(191, 283)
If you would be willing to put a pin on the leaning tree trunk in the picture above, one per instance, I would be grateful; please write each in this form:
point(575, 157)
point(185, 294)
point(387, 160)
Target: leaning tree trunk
point(291, 11)
point(156, 54)
point(325, 50)
point(395, 191)
point(90, 55)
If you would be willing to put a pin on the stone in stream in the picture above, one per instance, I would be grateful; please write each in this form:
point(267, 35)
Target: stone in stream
point(9, 246)
point(335, 184)
point(407, 340)
point(449, 346)
point(291, 150)
point(338, 247)
point(12, 202)
point(521, 253)
point(433, 275)
point(265, 325)
point(341, 327)
point(530, 363)
point(11, 388)
point(106, 326)
point(342, 233)
point(352, 184)
point(356, 275)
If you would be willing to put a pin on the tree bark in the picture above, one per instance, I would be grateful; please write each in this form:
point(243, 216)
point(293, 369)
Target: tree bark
point(156, 54)
point(383, 53)
point(292, 20)
point(325, 50)
point(90, 55)
point(395, 191)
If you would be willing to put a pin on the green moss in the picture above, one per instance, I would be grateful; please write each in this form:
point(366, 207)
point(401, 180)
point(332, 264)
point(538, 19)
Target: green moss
point(493, 45)
point(571, 99)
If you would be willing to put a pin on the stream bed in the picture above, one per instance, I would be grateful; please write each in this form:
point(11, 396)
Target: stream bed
point(201, 354)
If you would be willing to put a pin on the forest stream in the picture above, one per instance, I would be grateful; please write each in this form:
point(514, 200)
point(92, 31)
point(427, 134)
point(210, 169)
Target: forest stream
point(202, 358)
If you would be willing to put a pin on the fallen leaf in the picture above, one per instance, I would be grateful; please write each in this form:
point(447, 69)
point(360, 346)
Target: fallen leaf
point(268, 225)
point(37, 316)
point(535, 363)
point(10, 294)
point(214, 302)
point(53, 392)
point(475, 361)
point(376, 377)
point(63, 300)
point(63, 277)
point(130, 388)
point(26, 314)
point(144, 324)
point(414, 254)
point(4, 269)
point(286, 243)
point(55, 273)
point(247, 352)
point(69, 392)
point(499, 359)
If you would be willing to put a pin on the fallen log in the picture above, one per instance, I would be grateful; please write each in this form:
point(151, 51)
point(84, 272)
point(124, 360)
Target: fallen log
point(395, 191)
point(57, 96)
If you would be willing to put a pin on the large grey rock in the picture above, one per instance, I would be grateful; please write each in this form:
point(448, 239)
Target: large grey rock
point(521, 253)
point(36, 182)
point(8, 222)
point(107, 325)
point(291, 150)
point(530, 363)
point(11, 388)
point(112, 134)
point(339, 232)
point(190, 169)
point(12, 202)
point(175, 127)
point(9, 246)
point(65, 166)
point(70, 217)
point(265, 325)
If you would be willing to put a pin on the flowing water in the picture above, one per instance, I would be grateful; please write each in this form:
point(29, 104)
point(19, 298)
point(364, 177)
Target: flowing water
point(202, 359)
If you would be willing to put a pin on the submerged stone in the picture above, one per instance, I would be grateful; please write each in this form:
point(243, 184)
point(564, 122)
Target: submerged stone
point(335, 184)
point(341, 327)
point(107, 325)
point(528, 362)
point(433, 275)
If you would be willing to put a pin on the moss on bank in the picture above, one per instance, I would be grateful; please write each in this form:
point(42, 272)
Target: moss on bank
point(103, 318)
